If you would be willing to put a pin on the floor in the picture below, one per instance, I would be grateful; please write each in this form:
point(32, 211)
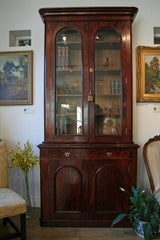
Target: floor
point(35, 232)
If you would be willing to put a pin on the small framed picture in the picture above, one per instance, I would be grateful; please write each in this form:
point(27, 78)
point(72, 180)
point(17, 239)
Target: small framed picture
point(148, 74)
point(16, 78)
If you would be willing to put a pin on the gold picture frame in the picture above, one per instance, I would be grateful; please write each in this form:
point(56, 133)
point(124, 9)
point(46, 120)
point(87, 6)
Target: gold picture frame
point(16, 78)
point(148, 74)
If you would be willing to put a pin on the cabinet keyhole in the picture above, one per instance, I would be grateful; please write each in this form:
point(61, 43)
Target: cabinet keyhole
point(67, 154)
point(109, 154)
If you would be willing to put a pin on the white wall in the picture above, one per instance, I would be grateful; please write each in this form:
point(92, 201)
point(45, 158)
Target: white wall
point(15, 125)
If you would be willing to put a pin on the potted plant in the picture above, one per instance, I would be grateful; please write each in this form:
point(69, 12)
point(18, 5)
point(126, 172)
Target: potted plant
point(144, 213)
point(24, 159)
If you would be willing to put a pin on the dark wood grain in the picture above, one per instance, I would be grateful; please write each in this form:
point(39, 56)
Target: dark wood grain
point(81, 174)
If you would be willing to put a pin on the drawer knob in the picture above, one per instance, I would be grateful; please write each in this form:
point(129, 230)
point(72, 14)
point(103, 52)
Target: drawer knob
point(109, 154)
point(67, 154)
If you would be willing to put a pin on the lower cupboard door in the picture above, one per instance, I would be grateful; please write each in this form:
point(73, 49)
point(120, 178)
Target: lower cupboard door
point(69, 188)
point(106, 198)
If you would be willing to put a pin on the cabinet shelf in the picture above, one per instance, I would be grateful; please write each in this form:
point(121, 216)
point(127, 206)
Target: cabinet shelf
point(107, 45)
point(69, 95)
point(106, 115)
point(66, 43)
point(99, 44)
point(66, 114)
point(68, 69)
point(108, 95)
point(102, 68)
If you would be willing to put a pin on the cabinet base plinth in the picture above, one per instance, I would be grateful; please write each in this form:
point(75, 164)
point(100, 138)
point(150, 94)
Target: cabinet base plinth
point(80, 223)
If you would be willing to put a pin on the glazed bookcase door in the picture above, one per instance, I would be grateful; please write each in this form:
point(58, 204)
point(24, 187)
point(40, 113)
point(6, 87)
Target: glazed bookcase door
point(108, 110)
point(69, 83)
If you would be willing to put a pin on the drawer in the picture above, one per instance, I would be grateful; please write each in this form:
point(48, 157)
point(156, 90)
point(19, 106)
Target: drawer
point(66, 153)
point(109, 153)
point(90, 153)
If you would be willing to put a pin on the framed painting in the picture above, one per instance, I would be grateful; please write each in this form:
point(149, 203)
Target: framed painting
point(16, 78)
point(148, 74)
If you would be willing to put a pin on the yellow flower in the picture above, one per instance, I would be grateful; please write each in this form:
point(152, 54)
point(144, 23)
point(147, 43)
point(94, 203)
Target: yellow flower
point(23, 159)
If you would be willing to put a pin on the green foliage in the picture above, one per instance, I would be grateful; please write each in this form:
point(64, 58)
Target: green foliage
point(23, 159)
point(118, 218)
point(152, 76)
point(144, 208)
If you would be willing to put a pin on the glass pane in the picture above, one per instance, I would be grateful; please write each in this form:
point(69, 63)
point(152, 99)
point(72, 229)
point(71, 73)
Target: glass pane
point(108, 83)
point(69, 82)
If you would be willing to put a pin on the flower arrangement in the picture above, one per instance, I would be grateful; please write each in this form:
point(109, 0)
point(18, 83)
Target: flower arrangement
point(23, 159)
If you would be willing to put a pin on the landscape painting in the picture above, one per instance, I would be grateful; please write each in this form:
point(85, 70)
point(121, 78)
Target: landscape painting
point(16, 78)
point(148, 74)
point(152, 74)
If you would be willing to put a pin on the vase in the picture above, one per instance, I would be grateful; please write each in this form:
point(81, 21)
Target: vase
point(28, 199)
point(140, 229)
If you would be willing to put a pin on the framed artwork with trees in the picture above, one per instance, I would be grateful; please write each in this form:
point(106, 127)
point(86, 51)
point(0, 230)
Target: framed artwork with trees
point(16, 81)
point(148, 74)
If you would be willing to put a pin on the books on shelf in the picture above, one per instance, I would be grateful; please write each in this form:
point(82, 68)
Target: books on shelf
point(62, 57)
point(115, 86)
